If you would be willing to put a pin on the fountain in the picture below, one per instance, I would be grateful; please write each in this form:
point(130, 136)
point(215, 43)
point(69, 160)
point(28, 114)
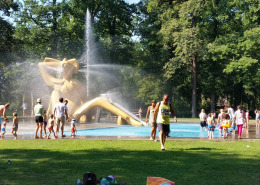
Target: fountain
point(64, 85)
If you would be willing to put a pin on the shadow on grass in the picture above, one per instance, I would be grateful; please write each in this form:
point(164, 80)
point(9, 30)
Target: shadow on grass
point(202, 149)
point(38, 166)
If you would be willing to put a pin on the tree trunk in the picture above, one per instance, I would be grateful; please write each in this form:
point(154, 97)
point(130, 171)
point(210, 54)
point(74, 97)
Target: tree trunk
point(194, 86)
point(213, 101)
point(54, 31)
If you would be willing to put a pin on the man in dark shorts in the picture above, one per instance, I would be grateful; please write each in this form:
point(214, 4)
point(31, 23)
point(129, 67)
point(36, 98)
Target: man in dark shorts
point(38, 112)
point(163, 109)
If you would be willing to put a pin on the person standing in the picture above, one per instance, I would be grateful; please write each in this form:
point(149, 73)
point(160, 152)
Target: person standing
point(140, 113)
point(240, 120)
point(221, 116)
point(203, 119)
point(3, 109)
point(257, 118)
point(60, 114)
point(231, 113)
point(247, 119)
point(66, 103)
point(15, 125)
point(38, 112)
point(150, 113)
point(24, 107)
point(163, 109)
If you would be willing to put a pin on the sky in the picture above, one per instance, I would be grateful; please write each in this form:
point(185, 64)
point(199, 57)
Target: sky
point(132, 1)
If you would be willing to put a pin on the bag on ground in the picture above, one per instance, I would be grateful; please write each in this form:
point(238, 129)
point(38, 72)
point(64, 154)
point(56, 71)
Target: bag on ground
point(89, 178)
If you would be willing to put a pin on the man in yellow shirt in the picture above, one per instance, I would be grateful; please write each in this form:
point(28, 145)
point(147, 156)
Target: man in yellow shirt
point(162, 111)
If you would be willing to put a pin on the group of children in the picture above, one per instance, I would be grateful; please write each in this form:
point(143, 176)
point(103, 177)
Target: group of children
point(50, 124)
point(14, 126)
point(209, 122)
point(228, 119)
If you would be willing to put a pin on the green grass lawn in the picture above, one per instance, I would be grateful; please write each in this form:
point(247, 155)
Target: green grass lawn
point(62, 162)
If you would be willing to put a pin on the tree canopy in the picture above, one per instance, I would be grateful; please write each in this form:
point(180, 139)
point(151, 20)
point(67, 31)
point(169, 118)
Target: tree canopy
point(201, 53)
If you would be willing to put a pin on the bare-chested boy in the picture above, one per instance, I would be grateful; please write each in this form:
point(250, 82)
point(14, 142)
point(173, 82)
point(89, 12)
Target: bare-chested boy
point(15, 125)
point(4, 128)
point(3, 112)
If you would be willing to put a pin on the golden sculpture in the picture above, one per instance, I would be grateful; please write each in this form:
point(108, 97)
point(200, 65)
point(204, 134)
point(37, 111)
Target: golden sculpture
point(65, 86)
point(74, 91)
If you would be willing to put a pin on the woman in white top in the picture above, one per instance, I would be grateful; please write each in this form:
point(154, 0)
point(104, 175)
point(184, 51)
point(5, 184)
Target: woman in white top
point(240, 120)
point(149, 115)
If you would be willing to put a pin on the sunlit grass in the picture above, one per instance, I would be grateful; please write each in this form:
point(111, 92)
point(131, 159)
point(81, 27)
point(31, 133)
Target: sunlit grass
point(185, 162)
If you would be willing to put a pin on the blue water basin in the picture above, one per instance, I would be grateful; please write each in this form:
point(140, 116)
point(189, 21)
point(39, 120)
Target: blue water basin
point(177, 130)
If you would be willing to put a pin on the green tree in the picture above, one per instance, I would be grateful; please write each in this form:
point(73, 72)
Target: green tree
point(181, 31)
point(9, 46)
point(46, 29)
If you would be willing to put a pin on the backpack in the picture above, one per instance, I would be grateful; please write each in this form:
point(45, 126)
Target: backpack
point(89, 179)
point(109, 180)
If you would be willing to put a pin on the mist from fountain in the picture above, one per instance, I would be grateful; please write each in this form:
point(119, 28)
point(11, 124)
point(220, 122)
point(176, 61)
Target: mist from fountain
point(33, 86)
point(102, 78)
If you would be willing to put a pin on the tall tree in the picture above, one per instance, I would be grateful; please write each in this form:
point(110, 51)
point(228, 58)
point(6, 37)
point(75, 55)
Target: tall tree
point(180, 28)
point(40, 27)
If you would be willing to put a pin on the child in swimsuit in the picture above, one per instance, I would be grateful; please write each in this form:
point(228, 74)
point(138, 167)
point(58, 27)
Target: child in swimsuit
point(50, 126)
point(73, 128)
point(226, 121)
point(211, 126)
point(15, 125)
point(220, 119)
point(4, 127)
point(44, 123)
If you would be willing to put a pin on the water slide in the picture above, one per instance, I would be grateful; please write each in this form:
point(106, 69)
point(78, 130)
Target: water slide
point(112, 107)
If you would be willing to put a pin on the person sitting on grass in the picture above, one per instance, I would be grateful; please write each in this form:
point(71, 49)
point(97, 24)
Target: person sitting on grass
point(50, 126)
point(4, 127)
point(15, 125)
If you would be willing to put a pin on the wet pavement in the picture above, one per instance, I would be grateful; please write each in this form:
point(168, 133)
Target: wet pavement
point(27, 128)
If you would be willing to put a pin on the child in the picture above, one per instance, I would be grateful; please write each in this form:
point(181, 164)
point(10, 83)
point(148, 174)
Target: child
point(73, 128)
point(15, 125)
point(220, 119)
point(50, 126)
point(226, 124)
point(213, 114)
point(211, 126)
point(4, 127)
point(44, 123)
